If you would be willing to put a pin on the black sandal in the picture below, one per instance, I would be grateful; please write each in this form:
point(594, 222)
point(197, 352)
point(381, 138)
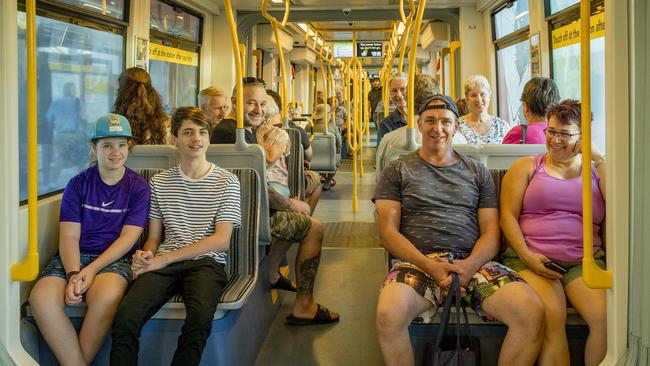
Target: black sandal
point(323, 316)
point(283, 283)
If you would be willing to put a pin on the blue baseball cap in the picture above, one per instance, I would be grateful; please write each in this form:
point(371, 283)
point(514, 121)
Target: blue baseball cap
point(111, 125)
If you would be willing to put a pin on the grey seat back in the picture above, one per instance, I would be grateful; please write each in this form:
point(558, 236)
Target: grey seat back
point(296, 164)
point(324, 158)
point(252, 156)
point(502, 156)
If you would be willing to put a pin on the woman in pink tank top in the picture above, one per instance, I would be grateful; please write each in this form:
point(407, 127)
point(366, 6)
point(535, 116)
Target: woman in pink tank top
point(541, 217)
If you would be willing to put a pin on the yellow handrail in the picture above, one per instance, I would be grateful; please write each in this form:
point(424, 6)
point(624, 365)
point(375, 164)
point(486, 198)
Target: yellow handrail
point(27, 270)
point(238, 69)
point(283, 72)
point(414, 45)
point(594, 276)
point(258, 62)
point(333, 93)
point(367, 109)
point(325, 89)
point(443, 81)
point(242, 52)
point(453, 46)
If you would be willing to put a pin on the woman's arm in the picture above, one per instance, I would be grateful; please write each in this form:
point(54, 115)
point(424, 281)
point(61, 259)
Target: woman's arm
point(513, 189)
point(69, 234)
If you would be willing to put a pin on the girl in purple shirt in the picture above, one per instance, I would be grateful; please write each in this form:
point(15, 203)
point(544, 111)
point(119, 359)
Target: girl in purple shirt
point(541, 217)
point(103, 213)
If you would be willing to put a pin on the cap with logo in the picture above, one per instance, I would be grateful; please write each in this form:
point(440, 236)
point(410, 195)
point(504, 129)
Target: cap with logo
point(448, 104)
point(111, 125)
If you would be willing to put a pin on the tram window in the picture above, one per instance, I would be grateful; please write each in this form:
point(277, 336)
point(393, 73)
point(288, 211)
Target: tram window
point(77, 68)
point(513, 71)
point(566, 69)
point(511, 18)
point(174, 54)
point(113, 8)
point(557, 5)
point(175, 21)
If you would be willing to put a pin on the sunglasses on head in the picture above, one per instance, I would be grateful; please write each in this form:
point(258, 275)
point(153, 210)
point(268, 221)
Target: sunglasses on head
point(253, 80)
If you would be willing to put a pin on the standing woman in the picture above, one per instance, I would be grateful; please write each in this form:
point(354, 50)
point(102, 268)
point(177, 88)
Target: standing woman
point(140, 103)
point(541, 217)
point(478, 126)
point(103, 213)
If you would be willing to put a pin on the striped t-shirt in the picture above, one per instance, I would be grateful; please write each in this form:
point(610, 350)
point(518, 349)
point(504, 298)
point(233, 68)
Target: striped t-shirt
point(190, 208)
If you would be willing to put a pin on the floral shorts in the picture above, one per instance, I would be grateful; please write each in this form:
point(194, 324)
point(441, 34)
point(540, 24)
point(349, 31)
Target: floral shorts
point(486, 281)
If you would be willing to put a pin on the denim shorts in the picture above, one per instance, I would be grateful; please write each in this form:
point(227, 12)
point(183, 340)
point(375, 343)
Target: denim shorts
point(121, 266)
point(486, 281)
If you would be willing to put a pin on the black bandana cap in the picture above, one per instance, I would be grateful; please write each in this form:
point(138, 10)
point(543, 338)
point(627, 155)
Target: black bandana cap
point(449, 104)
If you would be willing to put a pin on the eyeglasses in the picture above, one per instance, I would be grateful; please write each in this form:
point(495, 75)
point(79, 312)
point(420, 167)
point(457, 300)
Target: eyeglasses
point(561, 134)
point(253, 80)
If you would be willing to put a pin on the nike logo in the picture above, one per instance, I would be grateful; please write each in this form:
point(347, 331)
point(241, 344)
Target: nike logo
point(104, 204)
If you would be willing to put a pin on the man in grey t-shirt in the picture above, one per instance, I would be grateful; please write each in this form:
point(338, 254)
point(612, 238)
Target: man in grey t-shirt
point(437, 214)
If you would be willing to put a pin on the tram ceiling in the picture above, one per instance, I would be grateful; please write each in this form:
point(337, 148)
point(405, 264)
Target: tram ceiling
point(339, 5)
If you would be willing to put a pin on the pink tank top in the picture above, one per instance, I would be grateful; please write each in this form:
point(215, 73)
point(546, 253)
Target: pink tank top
point(551, 214)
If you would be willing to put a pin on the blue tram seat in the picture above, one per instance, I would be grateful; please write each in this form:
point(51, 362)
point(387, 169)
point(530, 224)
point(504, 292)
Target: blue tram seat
point(296, 164)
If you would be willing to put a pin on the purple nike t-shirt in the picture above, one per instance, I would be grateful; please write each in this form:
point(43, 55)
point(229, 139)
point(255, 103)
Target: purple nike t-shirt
point(103, 210)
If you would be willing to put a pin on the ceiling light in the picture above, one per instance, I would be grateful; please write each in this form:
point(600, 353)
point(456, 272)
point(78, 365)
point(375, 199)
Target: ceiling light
point(303, 26)
point(277, 1)
point(400, 28)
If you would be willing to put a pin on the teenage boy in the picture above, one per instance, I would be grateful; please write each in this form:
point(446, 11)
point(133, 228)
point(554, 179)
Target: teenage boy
point(198, 205)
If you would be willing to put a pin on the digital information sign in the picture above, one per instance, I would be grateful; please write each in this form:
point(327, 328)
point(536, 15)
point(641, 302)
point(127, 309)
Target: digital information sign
point(369, 49)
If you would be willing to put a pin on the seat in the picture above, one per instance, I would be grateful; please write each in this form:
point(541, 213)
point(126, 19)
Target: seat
point(296, 164)
point(324, 158)
point(502, 156)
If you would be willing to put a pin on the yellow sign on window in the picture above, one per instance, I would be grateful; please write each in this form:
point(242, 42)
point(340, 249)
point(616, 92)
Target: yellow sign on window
point(570, 33)
point(173, 55)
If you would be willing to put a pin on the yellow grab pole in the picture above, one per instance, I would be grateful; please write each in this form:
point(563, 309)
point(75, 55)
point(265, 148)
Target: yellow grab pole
point(325, 87)
point(358, 111)
point(443, 81)
point(27, 270)
point(414, 45)
point(453, 46)
point(367, 110)
point(242, 52)
point(407, 29)
point(332, 92)
point(594, 276)
point(238, 69)
point(283, 72)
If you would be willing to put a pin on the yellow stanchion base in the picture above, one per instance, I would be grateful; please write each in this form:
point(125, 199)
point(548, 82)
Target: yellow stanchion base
point(594, 276)
point(26, 270)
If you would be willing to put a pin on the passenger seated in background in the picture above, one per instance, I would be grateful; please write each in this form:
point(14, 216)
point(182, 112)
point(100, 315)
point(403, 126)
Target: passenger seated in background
point(539, 93)
point(294, 113)
point(436, 214)
point(541, 216)
point(103, 212)
point(462, 106)
point(213, 102)
point(424, 87)
point(397, 118)
point(198, 205)
point(254, 109)
point(277, 147)
point(479, 127)
point(341, 111)
point(140, 103)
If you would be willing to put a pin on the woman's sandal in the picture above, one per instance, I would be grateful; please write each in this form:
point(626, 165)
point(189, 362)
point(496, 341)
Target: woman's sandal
point(283, 283)
point(323, 316)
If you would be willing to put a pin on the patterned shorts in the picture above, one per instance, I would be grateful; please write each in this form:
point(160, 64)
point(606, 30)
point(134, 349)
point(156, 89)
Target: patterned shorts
point(290, 227)
point(489, 278)
point(121, 266)
point(312, 181)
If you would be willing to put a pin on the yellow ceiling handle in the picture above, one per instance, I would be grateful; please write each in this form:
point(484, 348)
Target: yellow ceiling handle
point(283, 72)
point(401, 9)
point(242, 52)
point(594, 276)
point(287, 6)
point(238, 69)
point(27, 270)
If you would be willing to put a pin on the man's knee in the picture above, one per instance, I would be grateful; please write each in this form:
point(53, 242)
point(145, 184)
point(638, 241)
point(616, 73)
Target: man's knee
point(316, 231)
point(392, 317)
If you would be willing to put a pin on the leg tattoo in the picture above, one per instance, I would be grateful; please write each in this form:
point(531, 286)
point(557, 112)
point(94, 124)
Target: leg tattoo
point(308, 270)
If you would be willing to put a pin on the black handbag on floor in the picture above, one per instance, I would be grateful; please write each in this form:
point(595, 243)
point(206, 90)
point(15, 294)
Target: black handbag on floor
point(458, 350)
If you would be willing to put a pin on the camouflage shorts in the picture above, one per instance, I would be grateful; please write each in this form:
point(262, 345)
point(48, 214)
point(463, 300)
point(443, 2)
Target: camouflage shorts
point(312, 181)
point(489, 278)
point(290, 227)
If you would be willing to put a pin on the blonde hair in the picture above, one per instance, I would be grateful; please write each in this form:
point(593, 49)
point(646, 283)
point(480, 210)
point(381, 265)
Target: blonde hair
point(272, 108)
point(209, 92)
point(474, 81)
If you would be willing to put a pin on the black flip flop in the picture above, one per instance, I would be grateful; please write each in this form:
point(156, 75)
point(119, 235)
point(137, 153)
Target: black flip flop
point(283, 283)
point(322, 316)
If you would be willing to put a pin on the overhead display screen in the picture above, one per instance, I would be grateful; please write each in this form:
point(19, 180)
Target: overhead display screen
point(369, 49)
point(343, 49)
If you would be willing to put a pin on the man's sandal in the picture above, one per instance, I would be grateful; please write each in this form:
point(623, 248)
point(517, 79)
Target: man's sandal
point(323, 316)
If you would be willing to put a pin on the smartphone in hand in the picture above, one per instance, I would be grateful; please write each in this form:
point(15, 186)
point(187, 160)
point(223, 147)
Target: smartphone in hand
point(555, 266)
